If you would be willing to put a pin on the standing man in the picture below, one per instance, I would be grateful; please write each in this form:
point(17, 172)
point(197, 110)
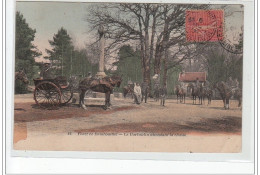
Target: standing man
point(163, 93)
point(137, 93)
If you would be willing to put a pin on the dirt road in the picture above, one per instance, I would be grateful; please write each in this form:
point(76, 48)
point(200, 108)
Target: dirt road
point(128, 127)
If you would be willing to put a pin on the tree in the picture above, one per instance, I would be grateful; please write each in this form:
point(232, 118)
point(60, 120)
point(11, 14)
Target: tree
point(82, 64)
point(128, 65)
point(61, 53)
point(221, 64)
point(156, 28)
point(25, 51)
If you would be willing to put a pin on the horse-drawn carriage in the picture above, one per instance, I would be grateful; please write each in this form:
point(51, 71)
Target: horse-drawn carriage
point(51, 93)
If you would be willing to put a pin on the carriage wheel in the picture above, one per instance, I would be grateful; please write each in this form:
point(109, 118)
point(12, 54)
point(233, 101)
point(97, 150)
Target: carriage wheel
point(47, 95)
point(66, 95)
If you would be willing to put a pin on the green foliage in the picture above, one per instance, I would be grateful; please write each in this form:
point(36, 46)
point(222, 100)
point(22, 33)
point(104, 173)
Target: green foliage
point(172, 79)
point(61, 53)
point(25, 51)
point(129, 65)
point(67, 61)
point(222, 65)
point(80, 65)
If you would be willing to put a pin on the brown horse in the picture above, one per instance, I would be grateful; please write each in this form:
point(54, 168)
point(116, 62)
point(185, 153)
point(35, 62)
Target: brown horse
point(196, 92)
point(20, 75)
point(208, 92)
point(103, 85)
point(238, 95)
point(181, 93)
point(129, 89)
point(225, 93)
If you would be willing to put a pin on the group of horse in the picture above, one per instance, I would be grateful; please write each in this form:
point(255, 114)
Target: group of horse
point(106, 85)
point(201, 92)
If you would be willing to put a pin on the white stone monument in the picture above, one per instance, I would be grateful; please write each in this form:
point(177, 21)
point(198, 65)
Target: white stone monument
point(101, 73)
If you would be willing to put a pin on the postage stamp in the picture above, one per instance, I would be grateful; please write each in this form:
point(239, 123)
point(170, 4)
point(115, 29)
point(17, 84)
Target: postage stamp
point(204, 25)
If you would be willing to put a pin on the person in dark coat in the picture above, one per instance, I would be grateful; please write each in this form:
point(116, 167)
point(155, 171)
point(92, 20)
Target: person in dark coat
point(46, 72)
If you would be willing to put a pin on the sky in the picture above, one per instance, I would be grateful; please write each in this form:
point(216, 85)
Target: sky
point(48, 17)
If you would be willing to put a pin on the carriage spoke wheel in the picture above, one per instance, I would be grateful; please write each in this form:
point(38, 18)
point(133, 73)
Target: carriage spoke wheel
point(66, 95)
point(47, 95)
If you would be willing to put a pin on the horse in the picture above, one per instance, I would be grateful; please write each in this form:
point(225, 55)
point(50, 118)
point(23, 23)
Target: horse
point(20, 75)
point(181, 93)
point(225, 93)
point(208, 92)
point(103, 85)
point(238, 95)
point(197, 92)
point(128, 90)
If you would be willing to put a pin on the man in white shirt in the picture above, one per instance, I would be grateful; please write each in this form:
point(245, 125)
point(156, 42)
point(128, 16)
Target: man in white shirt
point(137, 93)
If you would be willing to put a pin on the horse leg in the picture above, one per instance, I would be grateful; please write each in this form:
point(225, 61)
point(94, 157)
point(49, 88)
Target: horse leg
point(81, 99)
point(225, 103)
point(184, 99)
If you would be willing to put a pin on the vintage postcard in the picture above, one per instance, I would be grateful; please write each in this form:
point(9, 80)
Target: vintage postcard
point(129, 77)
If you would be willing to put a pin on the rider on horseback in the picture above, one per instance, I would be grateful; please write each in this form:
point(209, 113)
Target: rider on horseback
point(197, 84)
point(234, 85)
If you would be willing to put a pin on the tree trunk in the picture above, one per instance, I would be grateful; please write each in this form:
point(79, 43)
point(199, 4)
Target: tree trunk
point(166, 37)
point(147, 61)
point(157, 59)
point(152, 37)
point(165, 70)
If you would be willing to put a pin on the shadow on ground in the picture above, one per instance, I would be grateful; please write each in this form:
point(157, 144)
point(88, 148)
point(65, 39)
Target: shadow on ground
point(28, 112)
point(226, 124)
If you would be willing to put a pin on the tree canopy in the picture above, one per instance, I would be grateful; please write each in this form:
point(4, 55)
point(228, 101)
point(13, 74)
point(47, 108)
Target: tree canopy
point(25, 51)
point(65, 59)
point(61, 53)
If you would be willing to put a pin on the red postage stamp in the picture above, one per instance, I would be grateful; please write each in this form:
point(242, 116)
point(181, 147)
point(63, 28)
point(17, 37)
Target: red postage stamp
point(204, 25)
